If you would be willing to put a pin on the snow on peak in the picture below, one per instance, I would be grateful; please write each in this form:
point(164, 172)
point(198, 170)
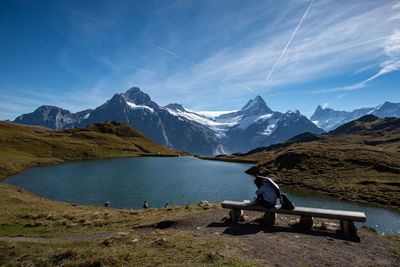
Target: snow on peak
point(264, 117)
point(135, 95)
point(134, 106)
point(213, 114)
point(218, 127)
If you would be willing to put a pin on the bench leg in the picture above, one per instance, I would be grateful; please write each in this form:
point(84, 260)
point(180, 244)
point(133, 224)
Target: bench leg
point(348, 228)
point(235, 215)
point(306, 222)
point(269, 219)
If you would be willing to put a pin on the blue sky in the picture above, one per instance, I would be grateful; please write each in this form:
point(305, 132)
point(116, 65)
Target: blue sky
point(206, 55)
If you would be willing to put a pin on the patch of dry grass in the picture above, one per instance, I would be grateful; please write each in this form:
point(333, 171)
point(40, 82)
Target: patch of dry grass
point(26, 146)
point(95, 236)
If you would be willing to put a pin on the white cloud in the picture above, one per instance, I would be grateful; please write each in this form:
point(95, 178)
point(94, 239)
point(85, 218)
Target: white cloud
point(230, 55)
point(391, 49)
point(325, 105)
point(340, 96)
point(334, 38)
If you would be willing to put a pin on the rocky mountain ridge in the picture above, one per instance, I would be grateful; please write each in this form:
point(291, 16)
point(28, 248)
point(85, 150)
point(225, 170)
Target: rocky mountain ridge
point(329, 119)
point(252, 126)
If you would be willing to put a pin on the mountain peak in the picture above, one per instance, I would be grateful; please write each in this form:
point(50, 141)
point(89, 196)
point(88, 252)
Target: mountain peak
point(296, 112)
point(175, 106)
point(320, 112)
point(136, 96)
point(133, 90)
point(48, 107)
point(256, 106)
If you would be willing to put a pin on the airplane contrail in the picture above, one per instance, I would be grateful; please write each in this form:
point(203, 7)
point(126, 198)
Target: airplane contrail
point(172, 54)
point(247, 88)
point(290, 40)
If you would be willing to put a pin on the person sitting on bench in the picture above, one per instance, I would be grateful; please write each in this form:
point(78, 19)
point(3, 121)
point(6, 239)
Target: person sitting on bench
point(268, 193)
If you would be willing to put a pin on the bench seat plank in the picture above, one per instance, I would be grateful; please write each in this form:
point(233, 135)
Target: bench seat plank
point(355, 216)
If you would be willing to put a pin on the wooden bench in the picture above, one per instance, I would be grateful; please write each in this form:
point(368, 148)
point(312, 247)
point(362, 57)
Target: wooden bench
point(306, 215)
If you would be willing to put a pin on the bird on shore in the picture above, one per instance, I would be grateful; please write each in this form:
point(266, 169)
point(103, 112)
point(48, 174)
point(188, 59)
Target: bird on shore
point(145, 205)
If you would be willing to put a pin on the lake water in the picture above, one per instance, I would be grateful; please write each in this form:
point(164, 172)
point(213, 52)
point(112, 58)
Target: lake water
point(127, 182)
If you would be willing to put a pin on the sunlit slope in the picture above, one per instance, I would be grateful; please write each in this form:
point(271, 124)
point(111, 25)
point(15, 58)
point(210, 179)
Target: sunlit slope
point(25, 146)
point(359, 161)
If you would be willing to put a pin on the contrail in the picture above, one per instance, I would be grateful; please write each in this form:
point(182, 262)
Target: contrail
point(172, 54)
point(247, 88)
point(290, 40)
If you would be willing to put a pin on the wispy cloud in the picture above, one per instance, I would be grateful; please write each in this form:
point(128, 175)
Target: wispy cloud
point(332, 40)
point(138, 69)
point(340, 96)
point(325, 105)
point(241, 46)
point(226, 50)
point(391, 48)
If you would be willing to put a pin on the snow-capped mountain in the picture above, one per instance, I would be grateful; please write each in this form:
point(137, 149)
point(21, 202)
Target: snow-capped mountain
point(252, 126)
point(198, 132)
point(329, 119)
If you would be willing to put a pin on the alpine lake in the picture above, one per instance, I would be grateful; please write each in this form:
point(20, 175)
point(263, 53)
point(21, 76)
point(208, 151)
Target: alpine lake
point(128, 182)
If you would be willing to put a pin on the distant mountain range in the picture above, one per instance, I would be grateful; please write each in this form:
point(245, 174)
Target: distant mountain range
point(253, 126)
point(329, 119)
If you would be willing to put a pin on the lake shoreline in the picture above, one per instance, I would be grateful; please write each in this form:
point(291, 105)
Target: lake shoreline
point(305, 187)
point(57, 161)
point(334, 192)
point(51, 232)
point(128, 197)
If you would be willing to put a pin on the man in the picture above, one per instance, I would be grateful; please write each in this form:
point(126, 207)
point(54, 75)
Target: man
point(267, 193)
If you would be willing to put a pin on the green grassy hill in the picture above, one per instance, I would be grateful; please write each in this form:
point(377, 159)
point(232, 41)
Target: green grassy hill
point(359, 161)
point(26, 146)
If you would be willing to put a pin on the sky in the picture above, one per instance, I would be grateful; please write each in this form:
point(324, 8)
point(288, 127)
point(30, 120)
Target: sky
point(206, 55)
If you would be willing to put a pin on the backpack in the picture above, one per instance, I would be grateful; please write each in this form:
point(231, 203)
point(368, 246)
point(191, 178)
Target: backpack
point(286, 203)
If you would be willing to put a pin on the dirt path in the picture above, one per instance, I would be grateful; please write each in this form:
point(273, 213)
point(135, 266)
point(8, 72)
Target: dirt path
point(283, 245)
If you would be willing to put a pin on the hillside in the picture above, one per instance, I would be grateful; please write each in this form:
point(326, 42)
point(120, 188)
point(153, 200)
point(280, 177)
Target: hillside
point(359, 161)
point(39, 232)
point(26, 146)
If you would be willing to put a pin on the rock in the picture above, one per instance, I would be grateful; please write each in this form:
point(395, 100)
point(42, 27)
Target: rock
point(121, 234)
point(306, 223)
point(107, 242)
point(214, 256)
point(269, 219)
point(204, 203)
point(161, 242)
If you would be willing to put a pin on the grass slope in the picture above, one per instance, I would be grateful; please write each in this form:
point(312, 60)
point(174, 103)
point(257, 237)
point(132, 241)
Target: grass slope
point(26, 146)
point(359, 161)
point(40, 232)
